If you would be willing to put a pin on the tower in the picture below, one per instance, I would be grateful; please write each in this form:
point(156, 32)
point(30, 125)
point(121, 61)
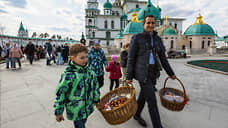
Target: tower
point(107, 8)
point(91, 12)
point(22, 32)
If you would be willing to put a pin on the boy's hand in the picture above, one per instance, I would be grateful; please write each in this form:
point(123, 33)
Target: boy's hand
point(59, 118)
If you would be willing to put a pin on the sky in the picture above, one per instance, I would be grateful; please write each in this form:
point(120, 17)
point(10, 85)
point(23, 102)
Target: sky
point(67, 17)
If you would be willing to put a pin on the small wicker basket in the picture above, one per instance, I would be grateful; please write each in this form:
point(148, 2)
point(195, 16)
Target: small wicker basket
point(122, 113)
point(171, 105)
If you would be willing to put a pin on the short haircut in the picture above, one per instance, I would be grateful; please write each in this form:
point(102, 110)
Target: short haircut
point(126, 45)
point(144, 19)
point(77, 48)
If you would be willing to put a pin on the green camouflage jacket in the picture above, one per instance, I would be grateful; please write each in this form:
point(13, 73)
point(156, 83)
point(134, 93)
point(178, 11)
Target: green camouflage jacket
point(77, 90)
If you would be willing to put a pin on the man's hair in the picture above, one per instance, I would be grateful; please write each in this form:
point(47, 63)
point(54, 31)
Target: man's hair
point(126, 45)
point(144, 19)
point(77, 48)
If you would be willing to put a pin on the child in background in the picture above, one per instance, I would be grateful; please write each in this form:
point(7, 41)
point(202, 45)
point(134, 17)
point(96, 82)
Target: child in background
point(123, 61)
point(78, 88)
point(115, 72)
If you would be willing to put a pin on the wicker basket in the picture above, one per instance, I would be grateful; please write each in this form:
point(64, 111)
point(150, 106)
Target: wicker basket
point(171, 105)
point(122, 113)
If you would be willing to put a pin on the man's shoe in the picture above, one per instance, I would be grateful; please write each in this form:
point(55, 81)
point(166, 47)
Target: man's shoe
point(140, 120)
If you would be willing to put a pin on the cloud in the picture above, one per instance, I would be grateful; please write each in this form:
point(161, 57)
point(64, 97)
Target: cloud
point(64, 12)
point(2, 11)
point(60, 29)
point(16, 3)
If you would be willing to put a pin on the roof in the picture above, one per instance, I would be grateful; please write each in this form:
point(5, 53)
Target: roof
point(124, 16)
point(133, 28)
point(119, 36)
point(149, 9)
point(21, 28)
point(168, 31)
point(199, 28)
point(107, 5)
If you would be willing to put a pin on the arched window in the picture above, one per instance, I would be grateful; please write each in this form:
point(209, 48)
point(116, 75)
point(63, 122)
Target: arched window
point(137, 6)
point(175, 25)
point(112, 24)
point(190, 44)
point(209, 42)
point(202, 44)
point(93, 34)
point(90, 21)
point(108, 35)
point(171, 45)
point(105, 24)
point(89, 32)
point(107, 43)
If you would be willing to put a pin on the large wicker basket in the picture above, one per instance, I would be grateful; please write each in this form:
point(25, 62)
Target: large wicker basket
point(171, 105)
point(124, 112)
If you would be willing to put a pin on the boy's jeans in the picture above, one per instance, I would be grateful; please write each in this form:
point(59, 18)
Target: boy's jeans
point(7, 62)
point(79, 123)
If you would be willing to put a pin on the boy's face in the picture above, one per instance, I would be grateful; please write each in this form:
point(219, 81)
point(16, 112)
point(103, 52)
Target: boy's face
point(80, 59)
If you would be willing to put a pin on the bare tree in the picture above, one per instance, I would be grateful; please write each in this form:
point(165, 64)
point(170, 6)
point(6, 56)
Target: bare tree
point(34, 35)
point(41, 35)
point(53, 37)
point(46, 35)
point(2, 30)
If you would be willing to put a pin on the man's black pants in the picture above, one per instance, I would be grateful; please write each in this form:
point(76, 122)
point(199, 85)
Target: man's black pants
point(147, 94)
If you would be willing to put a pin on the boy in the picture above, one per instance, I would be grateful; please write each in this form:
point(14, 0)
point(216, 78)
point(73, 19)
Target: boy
point(78, 88)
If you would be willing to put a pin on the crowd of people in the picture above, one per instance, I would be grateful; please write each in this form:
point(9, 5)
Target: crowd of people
point(14, 53)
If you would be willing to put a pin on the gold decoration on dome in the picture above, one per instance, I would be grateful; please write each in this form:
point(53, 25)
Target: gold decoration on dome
point(157, 3)
point(199, 19)
point(166, 19)
point(134, 17)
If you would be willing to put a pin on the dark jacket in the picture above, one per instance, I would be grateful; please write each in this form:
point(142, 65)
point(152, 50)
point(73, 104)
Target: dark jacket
point(139, 53)
point(30, 49)
point(123, 56)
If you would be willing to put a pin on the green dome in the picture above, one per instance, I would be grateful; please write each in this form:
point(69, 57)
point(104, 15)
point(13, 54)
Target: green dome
point(21, 27)
point(119, 36)
point(107, 5)
point(124, 16)
point(149, 9)
point(199, 29)
point(168, 31)
point(133, 28)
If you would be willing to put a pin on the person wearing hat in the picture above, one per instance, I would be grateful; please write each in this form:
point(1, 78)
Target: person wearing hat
point(115, 71)
point(96, 61)
point(143, 65)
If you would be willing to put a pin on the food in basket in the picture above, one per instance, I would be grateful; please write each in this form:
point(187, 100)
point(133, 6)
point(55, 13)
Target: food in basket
point(172, 97)
point(115, 101)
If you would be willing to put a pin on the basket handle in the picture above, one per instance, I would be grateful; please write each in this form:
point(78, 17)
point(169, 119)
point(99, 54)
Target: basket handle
point(179, 82)
point(130, 84)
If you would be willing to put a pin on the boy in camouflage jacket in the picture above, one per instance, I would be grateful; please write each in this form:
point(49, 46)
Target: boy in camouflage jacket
point(78, 88)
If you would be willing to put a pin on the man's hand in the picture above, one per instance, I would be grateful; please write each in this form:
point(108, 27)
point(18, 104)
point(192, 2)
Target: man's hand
point(59, 118)
point(129, 81)
point(173, 77)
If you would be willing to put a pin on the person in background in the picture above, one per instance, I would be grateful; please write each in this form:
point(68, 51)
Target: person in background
point(78, 89)
point(59, 55)
point(54, 52)
point(15, 55)
point(96, 60)
point(5, 54)
point(30, 50)
point(49, 52)
point(115, 72)
point(65, 52)
point(123, 61)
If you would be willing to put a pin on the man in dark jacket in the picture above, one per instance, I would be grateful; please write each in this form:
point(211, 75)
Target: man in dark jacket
point(49, 51)
point(143, 65)
point(29, 50)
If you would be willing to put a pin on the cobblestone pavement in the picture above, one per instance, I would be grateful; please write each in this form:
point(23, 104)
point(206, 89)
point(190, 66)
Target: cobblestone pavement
point(27, 97)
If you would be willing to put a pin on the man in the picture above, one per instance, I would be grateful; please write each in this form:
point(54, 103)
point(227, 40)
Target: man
point(49, 51)
point(65, 53)
point(5, 54)
point(143, 65)
point(96, 60)
point(29, 50)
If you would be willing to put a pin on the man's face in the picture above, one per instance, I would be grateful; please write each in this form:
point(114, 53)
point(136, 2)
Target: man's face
point(149, 24)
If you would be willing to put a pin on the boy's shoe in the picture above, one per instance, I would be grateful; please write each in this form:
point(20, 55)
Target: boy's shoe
point(140, 120)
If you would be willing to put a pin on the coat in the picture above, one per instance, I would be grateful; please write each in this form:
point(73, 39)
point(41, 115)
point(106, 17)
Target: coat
point(30, 49)
point(77, 90)
point(96, 60)
point(15, 53)
point(123, 57)
point(115, 71)
point(139, 54)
